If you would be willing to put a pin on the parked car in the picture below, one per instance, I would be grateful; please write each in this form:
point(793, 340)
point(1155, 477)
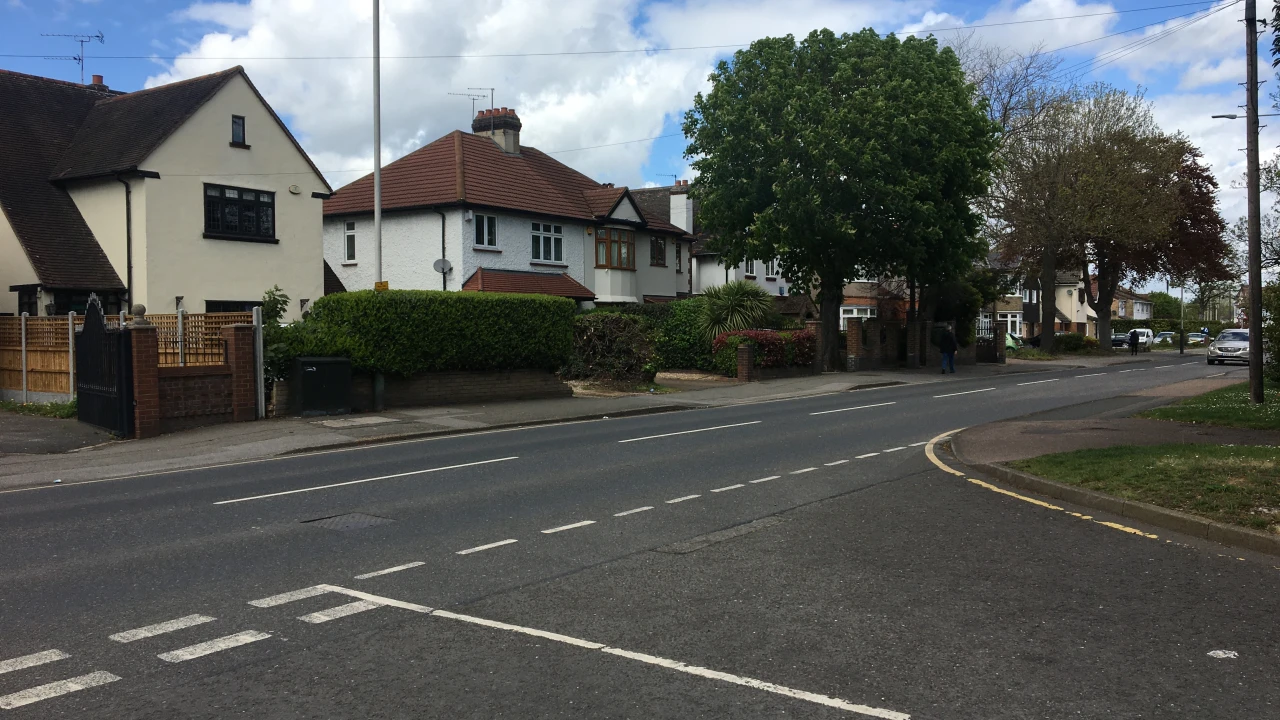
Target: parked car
point(1229, 346)
point(1145, 338)
point(1119, 340)
point(1012, 342)
point(1166, 337)
point(1196, 338)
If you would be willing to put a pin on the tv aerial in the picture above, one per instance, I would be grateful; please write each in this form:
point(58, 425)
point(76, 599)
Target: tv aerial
point(83, 40)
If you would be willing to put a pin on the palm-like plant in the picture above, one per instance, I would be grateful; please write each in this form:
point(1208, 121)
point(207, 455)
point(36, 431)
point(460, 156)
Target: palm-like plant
point(737, 305)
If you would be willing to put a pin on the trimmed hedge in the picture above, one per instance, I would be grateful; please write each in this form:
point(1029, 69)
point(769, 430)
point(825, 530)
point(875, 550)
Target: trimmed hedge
point(774, 349)
point(676, 331)
point(610, 346)
point(1070, 342)
point(405, 332)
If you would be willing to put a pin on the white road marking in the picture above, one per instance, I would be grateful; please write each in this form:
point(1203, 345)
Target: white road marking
point(562, 528)
point(686, 432)
point(340, 611)
point(896, 449)
point(861, 457)
point(1129, 370)
point(147, 631)
point(766, 479)
point(802, 470)
point(1161, 367)
point(366, 480)
point(922, 442)
point(477, 549)
point(1037, 382)
point(860, 407)
point(389, 570)
point(522, 630)
point(54, 689)
point(837, 462)
point(729, 487)
point(1091, 375)
point(378, 599)
point(758, 685)
point(228, 642)
point(32, 660)
point(682, 499)
point(966, 392)
point(1224, 654)
point(289, 597)
point(633, 511)
point(1190, 363)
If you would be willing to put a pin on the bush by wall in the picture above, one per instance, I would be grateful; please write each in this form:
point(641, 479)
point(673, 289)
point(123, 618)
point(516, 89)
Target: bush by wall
point(774, 349)
point(676, 331)
point(404, 332)
point(610, 346)
point(1070, 342)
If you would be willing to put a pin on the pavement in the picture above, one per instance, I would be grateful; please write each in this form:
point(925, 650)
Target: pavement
point(799, 557)
point(35, 435)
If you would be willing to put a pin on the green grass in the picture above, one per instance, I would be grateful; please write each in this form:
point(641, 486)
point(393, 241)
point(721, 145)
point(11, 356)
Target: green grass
point(1228, 406)
point(53, 409)
point(1232, 484)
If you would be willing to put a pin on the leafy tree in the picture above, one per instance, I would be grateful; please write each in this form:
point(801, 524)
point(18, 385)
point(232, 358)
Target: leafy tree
point(1165, 306)
point(844, 156)
point(737, 305)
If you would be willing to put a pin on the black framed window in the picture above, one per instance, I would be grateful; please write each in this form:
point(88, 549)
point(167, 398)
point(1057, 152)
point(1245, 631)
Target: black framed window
point(237, 130)
point(679, 259)
point(227, 306)
point(657, 251)
point(232, 213)
point(548, 243)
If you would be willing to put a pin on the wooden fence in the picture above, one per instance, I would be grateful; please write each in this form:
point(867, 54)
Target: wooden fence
point(49, 350)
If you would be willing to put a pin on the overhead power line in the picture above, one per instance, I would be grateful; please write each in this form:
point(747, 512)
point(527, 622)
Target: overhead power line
point(1106, 58)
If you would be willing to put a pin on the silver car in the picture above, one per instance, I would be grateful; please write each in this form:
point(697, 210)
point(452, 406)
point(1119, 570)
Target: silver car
point(1229, 346)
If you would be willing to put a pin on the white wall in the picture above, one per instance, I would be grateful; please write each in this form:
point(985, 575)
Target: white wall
point(515, 245)
point(710, 273)
point(171, 256)
point(410, 247)
point(14, 268)
point(101, 203)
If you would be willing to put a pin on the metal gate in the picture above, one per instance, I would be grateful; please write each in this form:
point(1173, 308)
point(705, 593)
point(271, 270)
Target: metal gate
point(104, 373)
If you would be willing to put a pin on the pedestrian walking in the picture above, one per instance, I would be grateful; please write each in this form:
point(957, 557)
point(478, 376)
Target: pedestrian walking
point(1134, 340)
point(947, 344)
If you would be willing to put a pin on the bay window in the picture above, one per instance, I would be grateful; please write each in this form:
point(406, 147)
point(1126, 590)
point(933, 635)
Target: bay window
point(615, 248)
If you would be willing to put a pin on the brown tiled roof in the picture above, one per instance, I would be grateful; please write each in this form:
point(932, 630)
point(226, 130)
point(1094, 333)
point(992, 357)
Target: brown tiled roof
point(39, 118)
point(332, 283)
point(523, 281)
point(654, 202)
point(463, 168)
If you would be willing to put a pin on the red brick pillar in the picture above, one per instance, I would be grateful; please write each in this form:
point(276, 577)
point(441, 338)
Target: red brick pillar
point(815, 327)
point(853, 344)
point(872, 349)
point(913, 345)
point(747, 371)
point(244, 377)
point(146, 381)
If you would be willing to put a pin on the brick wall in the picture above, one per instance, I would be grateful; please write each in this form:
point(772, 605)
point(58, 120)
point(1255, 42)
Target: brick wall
point(193, 396)
point(169, 399)
point(456, 388)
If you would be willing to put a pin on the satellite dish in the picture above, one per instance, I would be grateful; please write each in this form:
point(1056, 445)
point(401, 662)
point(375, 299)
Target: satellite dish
point(442, 266)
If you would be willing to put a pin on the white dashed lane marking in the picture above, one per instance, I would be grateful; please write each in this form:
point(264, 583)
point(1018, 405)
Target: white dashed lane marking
point(728, 487)
point(32, 660)
point(1091, 375)
point(766, 479)
point(289, 597)
point(837, 462)
point(571, 526)
point(896, 449)
point(389, 570)
point(129, 636)
point(860, 407)
point(682, 499)
point(924, 442)
point(633, 511)
point(966, 392)
point(477, 549)
point(340, 611)
point(191, 652)
point(863, 457)
point(802, 470)
point(1037, 382)
point(54, 689)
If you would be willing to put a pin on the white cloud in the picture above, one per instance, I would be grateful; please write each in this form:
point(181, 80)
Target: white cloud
point(1203, 52)
point(1023, 35)
point(231, 15)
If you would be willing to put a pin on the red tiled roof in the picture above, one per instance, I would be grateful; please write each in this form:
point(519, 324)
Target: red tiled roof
point(524, 281)
point(463, 168)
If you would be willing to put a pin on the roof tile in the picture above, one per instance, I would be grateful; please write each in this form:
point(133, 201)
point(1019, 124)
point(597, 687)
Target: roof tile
point(523, 281)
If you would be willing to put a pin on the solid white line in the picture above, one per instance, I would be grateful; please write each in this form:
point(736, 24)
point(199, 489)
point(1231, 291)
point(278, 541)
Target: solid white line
point(192, 652)
point(500, 543)
point(802, 470)
point(896, 449)
point(860, 407)
point(340, 611)
point(924, 442)
point(838, 462)
point(523, 630)
point(1037, 382)
point(758, 685)
point(389, 570)
point(632, 512)
point(729, 487)
point(129, 636)
point(766, 479)
point(366, 480)
point(860, 457)
point(377, 599)
point(686, 432)
point(289, 597)
point(54, 689)
point(562, 528)
point(966, 392)
point(682, 499)
point(1091, 375)
point(32, 660)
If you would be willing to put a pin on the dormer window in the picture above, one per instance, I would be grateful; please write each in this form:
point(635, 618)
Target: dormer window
point(237, 132)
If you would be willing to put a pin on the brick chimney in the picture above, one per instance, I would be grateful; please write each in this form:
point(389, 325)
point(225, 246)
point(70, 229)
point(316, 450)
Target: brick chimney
point(501, 125)
point(97, 83)
point(681, 206)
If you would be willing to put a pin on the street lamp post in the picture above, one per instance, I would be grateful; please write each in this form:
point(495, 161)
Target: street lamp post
point(377, 151)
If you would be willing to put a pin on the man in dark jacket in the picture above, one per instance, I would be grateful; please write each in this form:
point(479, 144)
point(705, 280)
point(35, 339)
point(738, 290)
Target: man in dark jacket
point(1134, 341)
point(947, 344)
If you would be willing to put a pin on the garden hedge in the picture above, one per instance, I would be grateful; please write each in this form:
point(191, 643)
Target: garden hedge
point(611, 346)
point(676, 331)
point(774, 349)
point(405, 332)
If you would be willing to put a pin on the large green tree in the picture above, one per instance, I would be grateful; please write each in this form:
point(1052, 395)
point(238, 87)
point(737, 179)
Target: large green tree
point(844, 156)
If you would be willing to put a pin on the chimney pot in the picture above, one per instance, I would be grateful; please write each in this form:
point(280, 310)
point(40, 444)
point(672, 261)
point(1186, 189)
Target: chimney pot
point(97, 79)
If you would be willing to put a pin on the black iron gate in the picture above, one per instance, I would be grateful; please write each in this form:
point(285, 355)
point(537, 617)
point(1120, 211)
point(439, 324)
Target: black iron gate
point(104, 373)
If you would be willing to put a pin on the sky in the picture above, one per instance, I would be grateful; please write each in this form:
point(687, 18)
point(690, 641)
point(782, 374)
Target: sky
point(612, 115)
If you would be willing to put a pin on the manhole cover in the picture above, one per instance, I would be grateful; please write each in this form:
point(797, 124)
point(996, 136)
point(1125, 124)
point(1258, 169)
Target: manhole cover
point(349, 521)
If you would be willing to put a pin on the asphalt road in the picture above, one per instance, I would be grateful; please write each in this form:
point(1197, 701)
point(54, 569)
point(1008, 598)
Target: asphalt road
point(574, 571)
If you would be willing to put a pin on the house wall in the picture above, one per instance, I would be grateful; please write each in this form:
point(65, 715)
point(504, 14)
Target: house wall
point(515, 243)
point(178, 260)
point(14, 269)
point(410, 247)
point(710, 273)
point(101, 203)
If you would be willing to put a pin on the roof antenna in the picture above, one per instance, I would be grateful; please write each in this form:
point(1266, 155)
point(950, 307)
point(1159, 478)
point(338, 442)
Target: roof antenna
point(490, 106)
point(474, 97)
point(673, 176)
point(83, 40)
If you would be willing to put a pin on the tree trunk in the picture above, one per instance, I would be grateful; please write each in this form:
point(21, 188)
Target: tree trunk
point(1048, 298)
point(831, 295)
point(1108, 281)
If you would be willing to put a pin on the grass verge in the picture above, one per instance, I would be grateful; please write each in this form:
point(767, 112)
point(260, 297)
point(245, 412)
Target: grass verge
point(1228, 406)
point(1030, 353)
point(53, 409)
point(1234, 484)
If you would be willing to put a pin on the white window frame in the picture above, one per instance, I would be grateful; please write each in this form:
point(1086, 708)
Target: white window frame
point(486, 231)
point(866, 312)
point(547, 243)
point(771, 268)
point(1011, 321)
point(349, 243)
point(750, 267)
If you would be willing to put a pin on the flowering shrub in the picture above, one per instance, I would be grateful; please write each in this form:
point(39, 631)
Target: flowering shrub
point(774, 349)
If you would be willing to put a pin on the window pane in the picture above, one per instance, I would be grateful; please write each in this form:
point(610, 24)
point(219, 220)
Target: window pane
point(613, 260)
point(536, 227)
point(237, 129)
point(479, 230)
point(613, 234)
point(213, 191)
point(546, 247)
point(267, 221)
point(212, 215)
point(555, 229)
point(351, 227)
point(231, 192)
point(602, 252)
point(351, 247)
point(559, 246)
point(626, 254)
point(246, 195)
point(231, 217)
point(248, 219)
point(266, 197)
point(537, 248)
point(491, 224)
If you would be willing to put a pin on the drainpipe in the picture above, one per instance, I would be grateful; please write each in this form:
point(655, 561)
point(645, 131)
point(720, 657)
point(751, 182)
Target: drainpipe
point(444, 275)
point(128, 237)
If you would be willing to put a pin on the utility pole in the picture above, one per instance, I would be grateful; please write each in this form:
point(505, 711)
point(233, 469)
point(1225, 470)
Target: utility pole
point(1255, 202)
point(377, 155)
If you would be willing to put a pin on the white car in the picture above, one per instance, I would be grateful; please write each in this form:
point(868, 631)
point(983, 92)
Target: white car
point(1146, 338)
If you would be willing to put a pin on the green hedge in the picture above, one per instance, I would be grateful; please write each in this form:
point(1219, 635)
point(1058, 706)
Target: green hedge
point(405, 332)
point(676, 331)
